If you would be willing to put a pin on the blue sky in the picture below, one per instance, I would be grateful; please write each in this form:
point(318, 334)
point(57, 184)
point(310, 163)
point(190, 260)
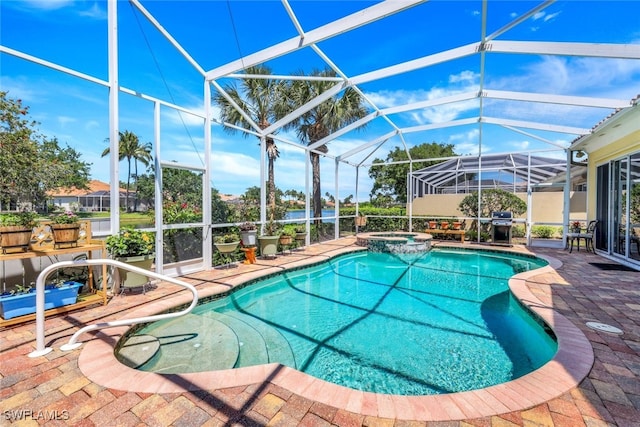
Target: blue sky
point(74, 34)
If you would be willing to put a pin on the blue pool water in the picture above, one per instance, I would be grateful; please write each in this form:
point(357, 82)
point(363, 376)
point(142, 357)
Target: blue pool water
point(415, 324)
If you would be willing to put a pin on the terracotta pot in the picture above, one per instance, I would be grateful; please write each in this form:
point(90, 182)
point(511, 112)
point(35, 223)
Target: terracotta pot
point(433, 225)
point(286, 240)
point(456, 225)
point(444, 225)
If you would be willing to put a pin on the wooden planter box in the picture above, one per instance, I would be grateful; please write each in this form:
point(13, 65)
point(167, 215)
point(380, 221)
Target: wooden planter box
point(65, 234)
point(17, 305)
point(15, 238)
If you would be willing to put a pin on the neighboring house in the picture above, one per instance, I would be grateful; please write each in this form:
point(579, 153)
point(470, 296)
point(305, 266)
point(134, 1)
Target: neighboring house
point(613, 183)
point(97, 197)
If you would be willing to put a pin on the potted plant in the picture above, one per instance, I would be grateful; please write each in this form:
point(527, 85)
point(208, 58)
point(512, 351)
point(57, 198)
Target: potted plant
point(227, 243)
point(22, 300)
point(286, 237)
point(433, 225)
point(248, 233)
point(444, 225)
point(361, 220)
point(301, 235)
point(135, 247)
point(269, 240)
point(576, 226)
point(16, 230)
point(65, 228)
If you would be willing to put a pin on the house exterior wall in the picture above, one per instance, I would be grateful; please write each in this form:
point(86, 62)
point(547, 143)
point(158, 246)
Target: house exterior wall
point(66, 202)
point(547, 206)
point(626, 144)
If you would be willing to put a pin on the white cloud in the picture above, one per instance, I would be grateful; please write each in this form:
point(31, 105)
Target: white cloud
point(520, 145)
point(464, 81)
point(538, 15)
point(467, 142)
point(65, 120)
point(47, 4)
point(551, 16)
point(95, 12)
point(465, 76)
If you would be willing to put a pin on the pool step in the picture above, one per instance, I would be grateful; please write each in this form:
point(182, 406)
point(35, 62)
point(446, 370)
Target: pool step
point(138, 350)
point(277, 347)
point(252, 347)
point(193, 343)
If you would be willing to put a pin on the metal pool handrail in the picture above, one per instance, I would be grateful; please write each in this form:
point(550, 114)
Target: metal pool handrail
point(41, 350)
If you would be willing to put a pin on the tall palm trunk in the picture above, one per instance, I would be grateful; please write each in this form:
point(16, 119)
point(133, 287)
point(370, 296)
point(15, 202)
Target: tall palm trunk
point(126, 197)
point(271, 180)
point(317, 198)
point(135, 200)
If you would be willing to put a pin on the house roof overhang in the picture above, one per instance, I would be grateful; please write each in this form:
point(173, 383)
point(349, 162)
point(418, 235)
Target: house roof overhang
point(615, 127)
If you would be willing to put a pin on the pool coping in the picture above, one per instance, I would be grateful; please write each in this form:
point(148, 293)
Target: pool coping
point(570, 365)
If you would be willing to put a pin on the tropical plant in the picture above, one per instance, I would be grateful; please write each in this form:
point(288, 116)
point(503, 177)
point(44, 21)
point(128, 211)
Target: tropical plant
point(323, 119)
point(130, 242)
point(263, 100)
point(492, 200)
point(271, 228)
point(26, 219)
point(130, 148)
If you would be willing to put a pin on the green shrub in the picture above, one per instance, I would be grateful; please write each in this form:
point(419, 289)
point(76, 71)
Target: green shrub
point(518, 231)
point(24, 219)
point(472, 236)
point(542, 231)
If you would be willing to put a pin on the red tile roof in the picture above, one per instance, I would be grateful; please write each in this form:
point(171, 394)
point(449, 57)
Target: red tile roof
point(93, 186)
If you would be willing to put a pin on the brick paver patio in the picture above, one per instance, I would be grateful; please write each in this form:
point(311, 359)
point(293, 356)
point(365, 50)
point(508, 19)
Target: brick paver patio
point(52, 390)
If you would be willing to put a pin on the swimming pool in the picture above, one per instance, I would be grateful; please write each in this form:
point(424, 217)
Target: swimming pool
point(408, 325)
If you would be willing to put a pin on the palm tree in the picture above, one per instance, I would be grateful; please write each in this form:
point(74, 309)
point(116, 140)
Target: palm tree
point(129, 147)
point(322, 120)
point(263, 101)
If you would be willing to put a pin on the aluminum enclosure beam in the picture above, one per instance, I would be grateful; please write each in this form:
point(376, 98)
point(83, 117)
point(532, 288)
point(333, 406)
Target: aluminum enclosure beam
point(343, 25)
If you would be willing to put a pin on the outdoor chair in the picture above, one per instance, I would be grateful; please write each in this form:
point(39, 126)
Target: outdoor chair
point(587, 236)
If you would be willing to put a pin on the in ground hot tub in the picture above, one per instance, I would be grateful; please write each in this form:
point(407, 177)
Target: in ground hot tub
point(401, 242)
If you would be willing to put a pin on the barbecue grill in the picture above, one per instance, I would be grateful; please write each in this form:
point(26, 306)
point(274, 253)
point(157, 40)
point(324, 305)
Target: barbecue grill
point(501, 223)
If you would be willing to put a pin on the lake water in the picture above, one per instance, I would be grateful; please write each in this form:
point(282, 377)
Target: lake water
point(299, 214)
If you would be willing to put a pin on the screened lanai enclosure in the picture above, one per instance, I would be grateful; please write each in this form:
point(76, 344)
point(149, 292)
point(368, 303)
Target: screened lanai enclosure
point(484, 77)
point(511, 172)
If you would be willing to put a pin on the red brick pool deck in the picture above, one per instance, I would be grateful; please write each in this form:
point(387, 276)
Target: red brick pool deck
point(88, 387)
